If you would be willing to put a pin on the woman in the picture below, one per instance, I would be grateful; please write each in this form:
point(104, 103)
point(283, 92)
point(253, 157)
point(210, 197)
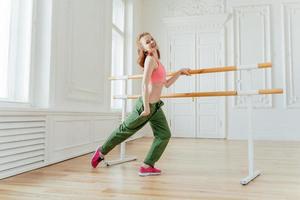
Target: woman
point(147, 108)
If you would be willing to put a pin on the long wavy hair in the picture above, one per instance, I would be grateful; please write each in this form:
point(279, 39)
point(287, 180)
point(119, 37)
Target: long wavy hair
point(142, 53)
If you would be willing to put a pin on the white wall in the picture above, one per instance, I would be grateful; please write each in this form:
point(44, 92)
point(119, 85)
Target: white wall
point(274, 118)
point(81, 53)
point(268, 32)
point(79, 59)
point(70, 110)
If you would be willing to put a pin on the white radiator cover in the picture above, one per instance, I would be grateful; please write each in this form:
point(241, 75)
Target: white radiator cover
point(32, 139)
point(22, 144)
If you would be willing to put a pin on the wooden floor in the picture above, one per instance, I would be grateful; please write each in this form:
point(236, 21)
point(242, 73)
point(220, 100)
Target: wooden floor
point(192, 169)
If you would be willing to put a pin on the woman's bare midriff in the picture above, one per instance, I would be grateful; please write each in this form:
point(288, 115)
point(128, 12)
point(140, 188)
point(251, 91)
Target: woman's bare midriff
point(155, 92)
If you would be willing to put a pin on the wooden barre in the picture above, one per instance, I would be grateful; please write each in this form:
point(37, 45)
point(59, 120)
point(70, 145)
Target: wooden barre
point(212, 94)
point(203, 71)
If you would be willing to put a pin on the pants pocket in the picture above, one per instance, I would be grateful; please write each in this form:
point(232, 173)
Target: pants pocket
point(134, 120)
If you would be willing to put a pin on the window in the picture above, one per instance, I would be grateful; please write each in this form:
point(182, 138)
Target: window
point(15, 49)
point(118, 37)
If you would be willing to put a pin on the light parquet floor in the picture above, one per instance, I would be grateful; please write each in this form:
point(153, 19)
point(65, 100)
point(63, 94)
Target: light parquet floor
point(192, 169)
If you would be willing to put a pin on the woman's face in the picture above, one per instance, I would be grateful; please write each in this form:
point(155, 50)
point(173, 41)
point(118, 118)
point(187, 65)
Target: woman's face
point(148, 43)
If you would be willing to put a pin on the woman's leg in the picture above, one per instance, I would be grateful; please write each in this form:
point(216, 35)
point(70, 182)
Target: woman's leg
point(162, 136)
point(131, 125)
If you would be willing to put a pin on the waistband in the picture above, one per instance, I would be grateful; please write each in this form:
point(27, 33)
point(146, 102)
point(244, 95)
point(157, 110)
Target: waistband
point(156, 104)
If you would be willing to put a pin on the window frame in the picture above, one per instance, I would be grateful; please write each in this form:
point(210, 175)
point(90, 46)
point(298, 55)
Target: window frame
point(121, 33)
point(12, 76)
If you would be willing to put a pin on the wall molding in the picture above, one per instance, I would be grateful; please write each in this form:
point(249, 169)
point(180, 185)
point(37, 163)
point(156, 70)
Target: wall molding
point(292, 99)
point(214, 22)
point(195, 7)
point(75, 90)
point(240, 13)
point(69, 122)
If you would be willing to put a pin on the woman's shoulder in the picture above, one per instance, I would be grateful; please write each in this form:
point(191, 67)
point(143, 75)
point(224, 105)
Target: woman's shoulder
point(150, 57)
point(151, 61)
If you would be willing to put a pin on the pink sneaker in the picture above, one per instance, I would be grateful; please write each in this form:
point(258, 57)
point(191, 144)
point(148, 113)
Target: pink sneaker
point(96, 158)
point(149, 171)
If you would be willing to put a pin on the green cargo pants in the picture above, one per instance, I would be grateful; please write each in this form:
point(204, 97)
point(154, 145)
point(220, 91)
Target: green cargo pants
point(135, 122)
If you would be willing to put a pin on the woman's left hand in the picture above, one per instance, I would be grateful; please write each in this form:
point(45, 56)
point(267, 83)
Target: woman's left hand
point(185, 71)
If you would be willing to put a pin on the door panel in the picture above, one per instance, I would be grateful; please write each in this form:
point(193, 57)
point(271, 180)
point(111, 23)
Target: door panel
point(210, 110)
point(182, 111)
point(196, 117)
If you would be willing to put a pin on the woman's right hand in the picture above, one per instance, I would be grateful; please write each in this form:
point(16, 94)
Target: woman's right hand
point(185, 71)
point(145, 112)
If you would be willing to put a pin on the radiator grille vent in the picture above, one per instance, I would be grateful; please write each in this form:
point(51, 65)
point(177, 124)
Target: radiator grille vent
point(22, 144)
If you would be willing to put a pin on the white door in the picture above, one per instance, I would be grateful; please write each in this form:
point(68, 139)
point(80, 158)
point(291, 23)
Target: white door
point(202, 117)
point(210, 111)
point(182, 110)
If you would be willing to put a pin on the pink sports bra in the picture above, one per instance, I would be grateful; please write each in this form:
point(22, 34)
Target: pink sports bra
point(159, 74)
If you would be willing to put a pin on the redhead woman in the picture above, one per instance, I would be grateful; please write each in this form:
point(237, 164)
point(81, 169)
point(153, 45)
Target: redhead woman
point(147, 108)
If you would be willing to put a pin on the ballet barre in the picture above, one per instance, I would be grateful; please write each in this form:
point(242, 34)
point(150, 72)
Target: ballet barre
point(252, 174)
point(203, 71)
point(210, 94)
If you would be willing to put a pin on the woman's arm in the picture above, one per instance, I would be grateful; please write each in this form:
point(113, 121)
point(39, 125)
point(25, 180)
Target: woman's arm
point(149, 66)
point(172, 80)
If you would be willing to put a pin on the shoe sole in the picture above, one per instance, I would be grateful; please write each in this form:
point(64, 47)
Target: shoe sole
point(149, 174)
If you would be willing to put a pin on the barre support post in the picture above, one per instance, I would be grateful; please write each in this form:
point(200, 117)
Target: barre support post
point(251, 173)
point(123, 157)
